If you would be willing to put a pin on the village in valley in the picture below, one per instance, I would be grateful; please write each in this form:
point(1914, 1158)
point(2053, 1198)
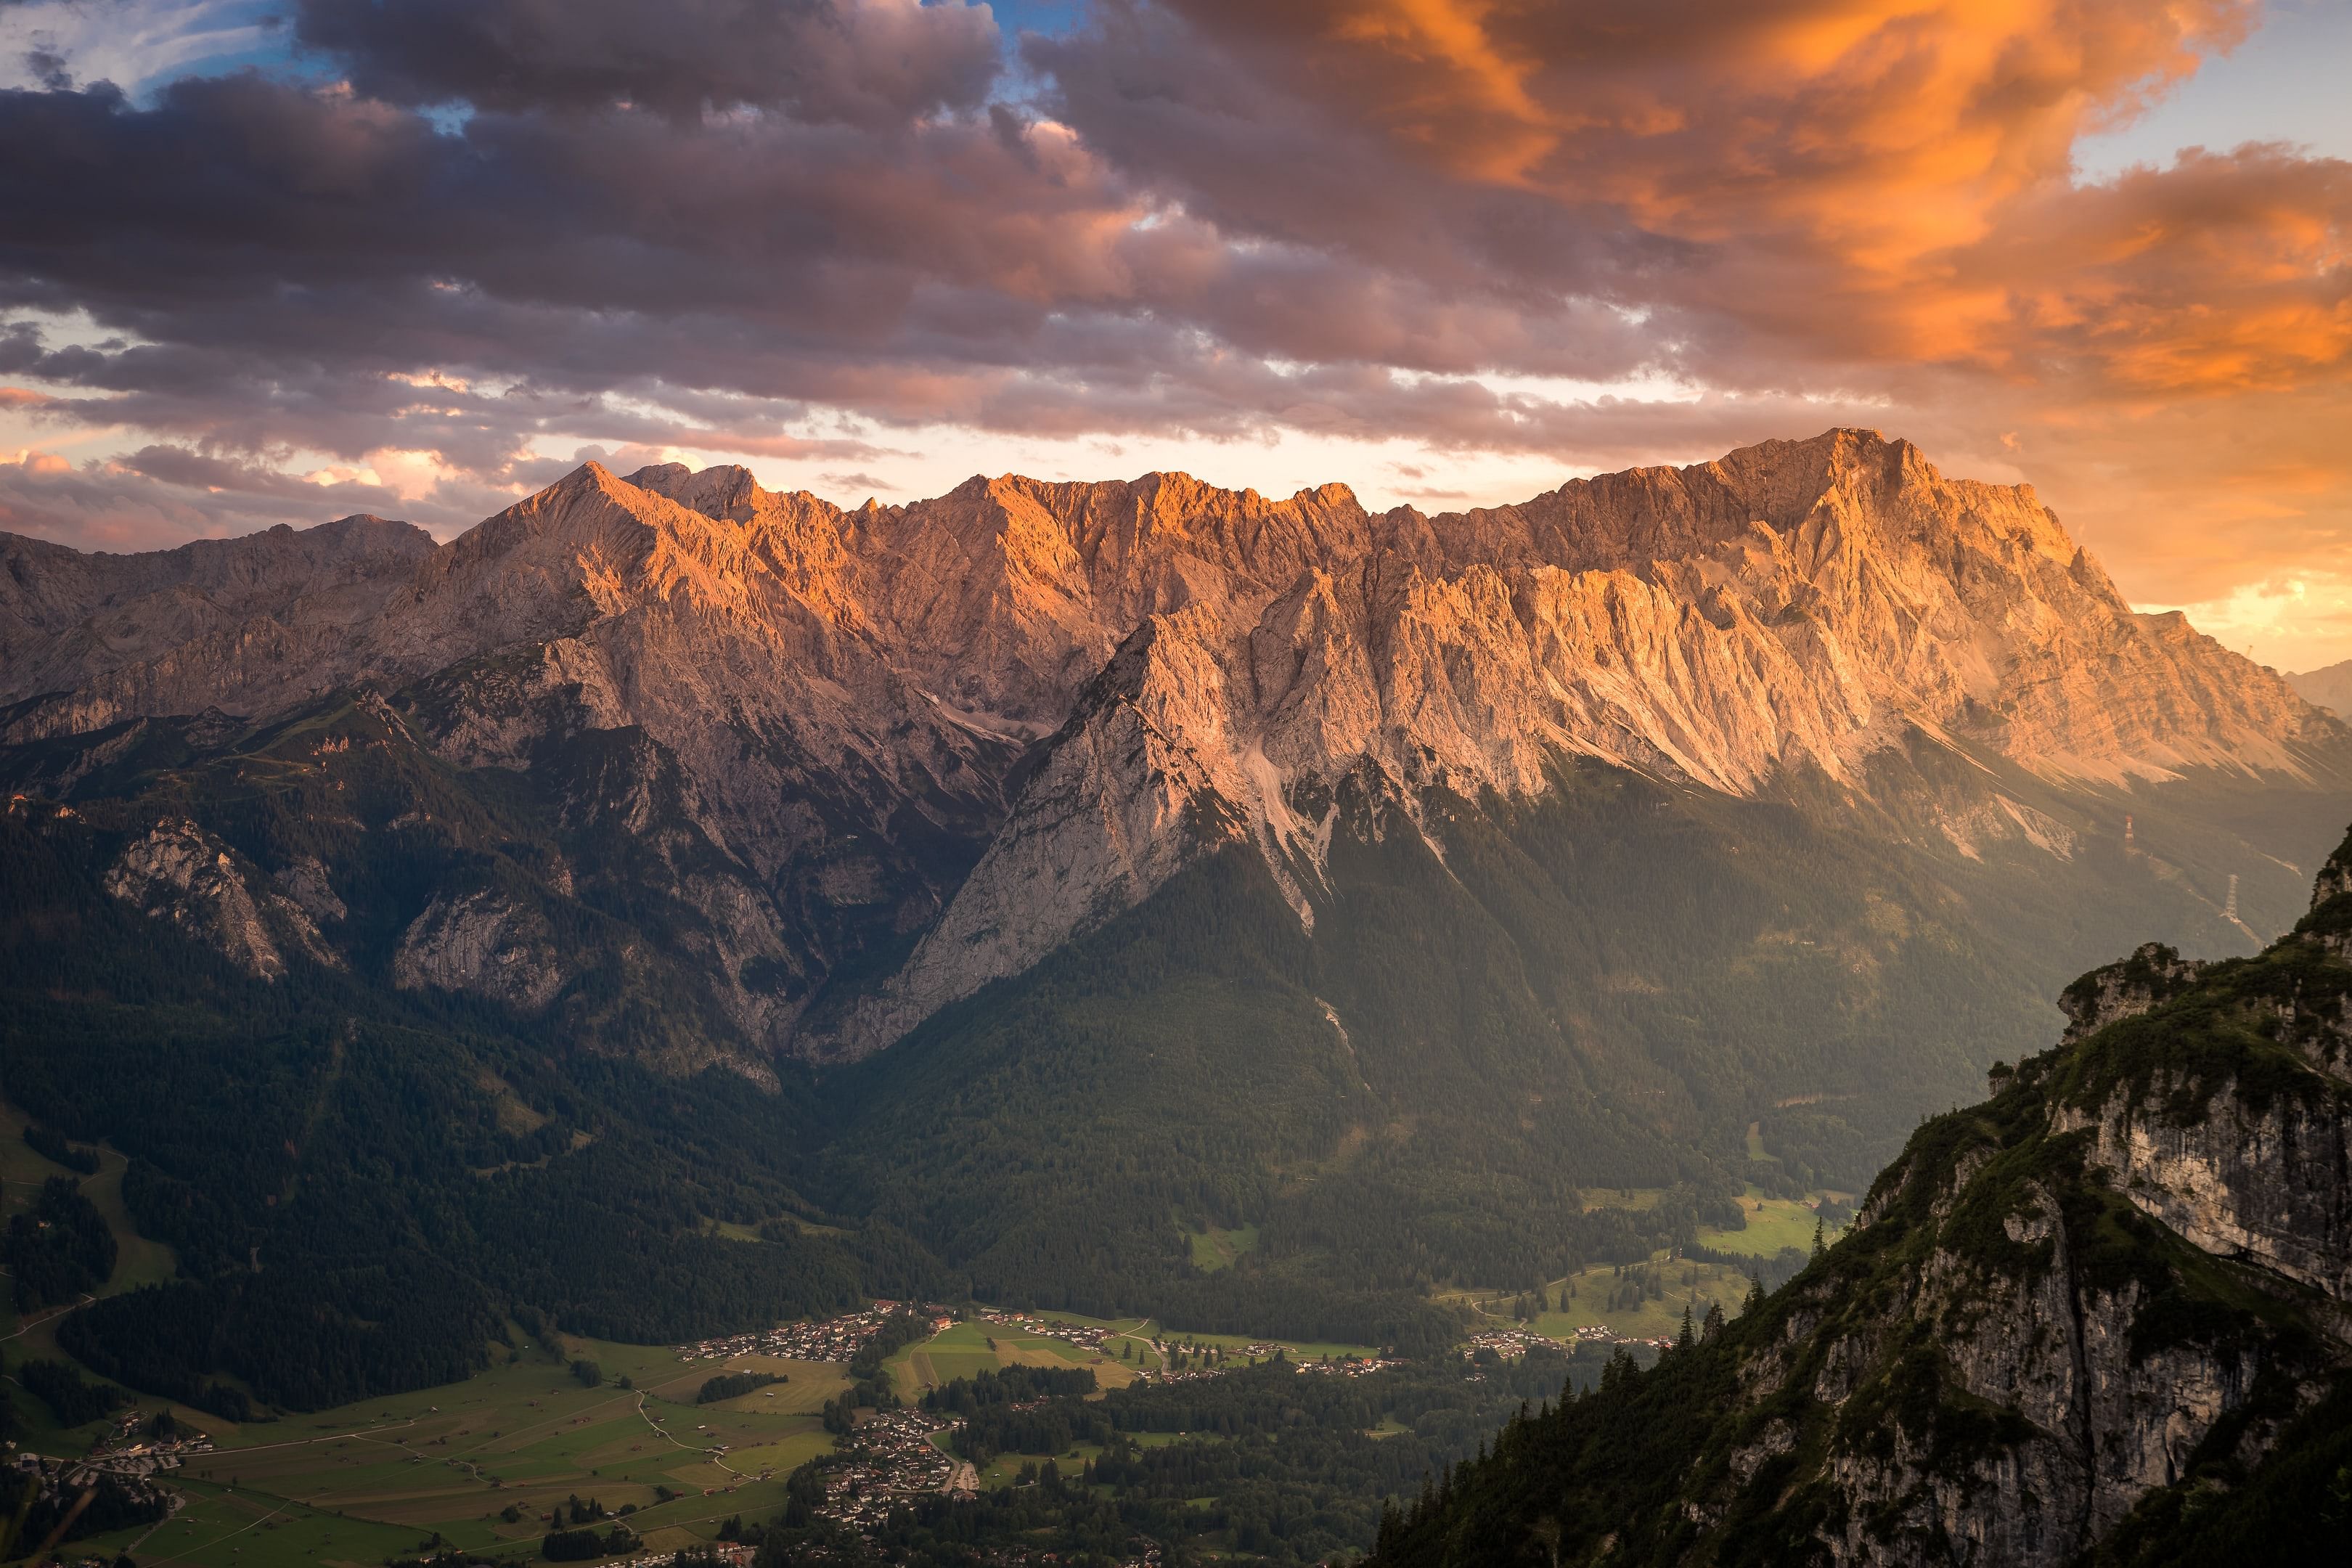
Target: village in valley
point(600, 1435)
point(649, 1452)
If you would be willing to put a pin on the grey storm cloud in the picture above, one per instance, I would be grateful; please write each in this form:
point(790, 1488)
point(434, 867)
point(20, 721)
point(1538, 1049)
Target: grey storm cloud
point(797, 226)
point(865, 64)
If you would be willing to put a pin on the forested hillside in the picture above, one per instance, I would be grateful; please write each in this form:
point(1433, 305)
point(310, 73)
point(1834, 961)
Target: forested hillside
point(1492, 1025)
point(2098, 1317)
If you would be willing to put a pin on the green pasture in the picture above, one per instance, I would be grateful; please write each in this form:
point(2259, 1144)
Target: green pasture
point(384, 1477)
point(1772, 1224)
point(138, 1261)
point(1216, 1248)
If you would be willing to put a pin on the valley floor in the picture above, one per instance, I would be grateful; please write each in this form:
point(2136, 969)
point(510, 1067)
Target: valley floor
point(480, 1465)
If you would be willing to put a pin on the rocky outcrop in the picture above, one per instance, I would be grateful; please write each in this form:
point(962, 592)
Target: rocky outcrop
point(484, 944)
point(251, 625)
point(180, 873)
point(1126, 796)
point(2127, 988)
point(2067, 1324)
point(2330, 687)
point(308, 883)
point(1796, 606)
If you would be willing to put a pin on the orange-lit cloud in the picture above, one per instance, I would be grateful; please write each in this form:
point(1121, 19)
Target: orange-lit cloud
point(1598, 232)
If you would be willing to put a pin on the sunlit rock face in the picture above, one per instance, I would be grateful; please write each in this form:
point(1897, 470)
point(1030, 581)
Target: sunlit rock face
point(180, 874)
point(1794, 606)
point(943, 738)
point(252, 625)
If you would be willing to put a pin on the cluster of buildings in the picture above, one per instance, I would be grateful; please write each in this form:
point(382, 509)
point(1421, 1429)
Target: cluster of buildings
point(1085, 1336)
point(890, 1457)
point(123, 1452)
point(734, 1553)
point(835, 1339)
point(1595, 1334)
point(1511, 1343)
point(1147, 1555)
point(1351, 1366)
point(130, 1477)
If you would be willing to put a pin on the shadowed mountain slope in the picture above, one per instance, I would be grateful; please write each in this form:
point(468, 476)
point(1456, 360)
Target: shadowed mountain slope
point(2099, 1318)
point(1052, 869)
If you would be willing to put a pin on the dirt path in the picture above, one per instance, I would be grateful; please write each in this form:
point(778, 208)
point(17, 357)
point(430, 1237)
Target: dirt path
point(48, 1315)
point(708, 1454)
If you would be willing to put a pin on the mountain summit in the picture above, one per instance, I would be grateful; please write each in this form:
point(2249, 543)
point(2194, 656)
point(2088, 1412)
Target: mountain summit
point(1085, 688)
point(996, 895)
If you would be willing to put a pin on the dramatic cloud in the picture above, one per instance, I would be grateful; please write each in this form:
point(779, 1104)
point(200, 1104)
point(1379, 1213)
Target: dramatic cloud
point(486, 232)
point(158, 498)
point(873, 64)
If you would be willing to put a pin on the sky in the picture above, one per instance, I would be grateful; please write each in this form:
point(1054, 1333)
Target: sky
point(270, 261)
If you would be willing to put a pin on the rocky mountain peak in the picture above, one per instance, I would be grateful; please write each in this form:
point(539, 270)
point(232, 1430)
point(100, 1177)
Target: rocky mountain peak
point(179, 630)
point(726, 492)
point(1792, 607)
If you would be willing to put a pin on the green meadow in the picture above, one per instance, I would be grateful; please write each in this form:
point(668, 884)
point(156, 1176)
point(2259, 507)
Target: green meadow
point(385, 1476)
point(1773, 1224)
point(1216, 1248)
point(139, 1261)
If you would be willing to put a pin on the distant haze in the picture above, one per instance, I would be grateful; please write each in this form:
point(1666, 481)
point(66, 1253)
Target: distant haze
point(2330, 687)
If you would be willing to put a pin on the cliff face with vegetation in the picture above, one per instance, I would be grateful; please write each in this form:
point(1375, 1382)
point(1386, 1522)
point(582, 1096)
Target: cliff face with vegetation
point(2100, 1318)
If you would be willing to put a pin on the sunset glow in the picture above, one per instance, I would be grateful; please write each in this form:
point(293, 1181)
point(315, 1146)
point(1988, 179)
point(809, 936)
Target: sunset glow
point(269, 258)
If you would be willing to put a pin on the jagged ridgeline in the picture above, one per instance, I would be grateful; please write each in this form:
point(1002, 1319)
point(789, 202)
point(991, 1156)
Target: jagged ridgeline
point(2101, 1317)
point(673, 903)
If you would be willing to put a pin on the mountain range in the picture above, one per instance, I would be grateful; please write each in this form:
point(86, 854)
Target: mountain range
point(2329, 688)
point(1065, 868)
point(1096, 684)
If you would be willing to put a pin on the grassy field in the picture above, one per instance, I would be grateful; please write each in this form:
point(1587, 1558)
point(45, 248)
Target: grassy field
point(1004, 1470)
point(1215, 1249)
point(356, 1484)
point(1772, 1224)
point(389, 1477)
point(969, 1348)
point(964, 1350)
point(1714, 1283)
point(1639, 1199)
point(385, 1477)
point(139, 1261)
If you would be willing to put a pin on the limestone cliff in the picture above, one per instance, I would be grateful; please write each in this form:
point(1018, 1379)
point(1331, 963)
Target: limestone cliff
point(253, 624)
point(2102, 1317)
point(929, 743)
point(180, 874)
point(1796, 606)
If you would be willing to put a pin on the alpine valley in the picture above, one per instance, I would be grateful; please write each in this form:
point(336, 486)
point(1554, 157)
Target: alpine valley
point(672, 906)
